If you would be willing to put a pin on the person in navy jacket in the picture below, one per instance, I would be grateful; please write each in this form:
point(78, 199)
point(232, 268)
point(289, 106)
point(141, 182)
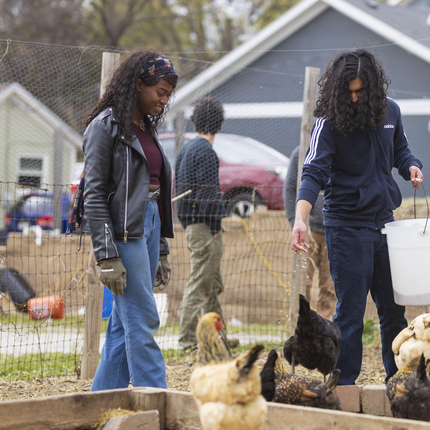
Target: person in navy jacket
point(356, 141)
point(201, 214)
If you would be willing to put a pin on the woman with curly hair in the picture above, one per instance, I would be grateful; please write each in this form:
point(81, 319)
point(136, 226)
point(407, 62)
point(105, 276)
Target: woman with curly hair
point(356, 141)
point(127, 201)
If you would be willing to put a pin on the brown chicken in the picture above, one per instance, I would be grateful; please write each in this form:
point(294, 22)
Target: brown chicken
point(226, 390)
point(412, 397)
point(212, 348)
point(293, 389)
point(396, 384)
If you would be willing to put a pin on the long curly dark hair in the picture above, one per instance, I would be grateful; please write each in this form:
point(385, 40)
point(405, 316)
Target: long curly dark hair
point(122, 94)
point(334, 102)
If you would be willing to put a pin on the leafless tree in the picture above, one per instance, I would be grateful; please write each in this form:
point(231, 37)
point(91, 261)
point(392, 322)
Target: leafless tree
point(45, 21)
point(112, 18)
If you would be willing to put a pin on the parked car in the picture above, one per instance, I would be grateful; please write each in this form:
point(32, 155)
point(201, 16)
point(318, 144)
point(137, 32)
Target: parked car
point(35, 208)
point(78, 168)
point(251, 173)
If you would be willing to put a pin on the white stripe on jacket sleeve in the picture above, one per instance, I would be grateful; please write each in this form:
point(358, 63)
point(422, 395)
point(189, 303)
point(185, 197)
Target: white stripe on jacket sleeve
point(314, 140)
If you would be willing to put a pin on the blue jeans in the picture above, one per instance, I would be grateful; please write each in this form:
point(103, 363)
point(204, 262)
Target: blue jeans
point(130, 351)
point(359, 263)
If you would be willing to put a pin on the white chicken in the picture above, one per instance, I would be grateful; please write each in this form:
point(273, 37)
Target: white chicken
point(412, 341)
point(227, 391)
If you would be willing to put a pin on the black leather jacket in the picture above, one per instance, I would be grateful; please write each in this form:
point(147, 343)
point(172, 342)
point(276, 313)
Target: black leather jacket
point(117, 179)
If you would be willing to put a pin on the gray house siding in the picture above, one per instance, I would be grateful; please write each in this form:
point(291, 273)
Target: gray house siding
point(267, 80)
point(327, 34)
point(277, 76)
point(417, 131)
point(282, 134)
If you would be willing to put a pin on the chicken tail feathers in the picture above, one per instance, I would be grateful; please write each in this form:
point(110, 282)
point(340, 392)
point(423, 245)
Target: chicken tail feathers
point(421, 369)
point(304, 321)
point(333, 381)
point(304, 307)
point(271, 358)
point(249, 358)
point(267, 376)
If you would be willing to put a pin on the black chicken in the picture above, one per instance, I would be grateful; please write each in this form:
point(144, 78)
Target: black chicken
point(396, 384)
point(267, 376)
point(315, 343)
point(414, 400)
point(280, 386)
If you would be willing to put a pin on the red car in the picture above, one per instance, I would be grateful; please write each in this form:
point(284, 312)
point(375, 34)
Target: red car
point(251, 173)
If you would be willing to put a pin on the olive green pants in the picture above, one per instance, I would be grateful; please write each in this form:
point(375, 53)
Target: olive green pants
point(205, 283)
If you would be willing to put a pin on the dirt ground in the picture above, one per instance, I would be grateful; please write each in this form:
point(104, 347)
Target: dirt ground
point(178, 377)
point(241, 262)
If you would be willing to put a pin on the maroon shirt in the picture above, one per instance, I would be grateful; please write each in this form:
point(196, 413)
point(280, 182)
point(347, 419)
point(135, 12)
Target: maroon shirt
point(151, 152)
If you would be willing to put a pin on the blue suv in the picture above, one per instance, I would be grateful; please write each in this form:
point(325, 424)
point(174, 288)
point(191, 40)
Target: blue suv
point(36, 208)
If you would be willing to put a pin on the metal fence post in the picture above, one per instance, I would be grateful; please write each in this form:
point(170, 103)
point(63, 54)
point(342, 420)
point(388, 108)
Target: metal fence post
point(93, 308)
point(310, 95)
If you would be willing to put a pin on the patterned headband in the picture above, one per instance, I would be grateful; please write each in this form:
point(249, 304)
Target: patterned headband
point(157, 68)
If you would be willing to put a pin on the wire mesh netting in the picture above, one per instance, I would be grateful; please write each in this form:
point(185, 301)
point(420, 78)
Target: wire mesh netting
point(45, 93)
point(43, 285)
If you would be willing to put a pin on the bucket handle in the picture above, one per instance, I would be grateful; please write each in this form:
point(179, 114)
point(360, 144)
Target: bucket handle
point(427, 203)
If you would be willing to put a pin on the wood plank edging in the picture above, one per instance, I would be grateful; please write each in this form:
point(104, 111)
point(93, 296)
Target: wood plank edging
point(177, 411)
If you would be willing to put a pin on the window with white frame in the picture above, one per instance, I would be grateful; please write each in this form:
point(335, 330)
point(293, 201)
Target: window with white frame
point(30, 171)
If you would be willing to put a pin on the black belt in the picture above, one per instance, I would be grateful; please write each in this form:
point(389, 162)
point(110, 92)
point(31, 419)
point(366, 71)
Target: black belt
point(154, 195)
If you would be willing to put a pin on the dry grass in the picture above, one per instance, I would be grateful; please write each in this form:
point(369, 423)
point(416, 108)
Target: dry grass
point(178, 377)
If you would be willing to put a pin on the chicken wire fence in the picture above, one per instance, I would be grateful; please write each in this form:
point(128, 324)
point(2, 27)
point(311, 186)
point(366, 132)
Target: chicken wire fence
point(45, 92)
point(44, 279)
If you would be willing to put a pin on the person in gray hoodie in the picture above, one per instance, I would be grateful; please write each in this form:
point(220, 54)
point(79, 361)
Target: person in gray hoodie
point(317, 254)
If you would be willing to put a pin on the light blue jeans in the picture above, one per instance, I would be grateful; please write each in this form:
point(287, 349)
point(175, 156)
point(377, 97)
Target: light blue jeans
point(130, 352)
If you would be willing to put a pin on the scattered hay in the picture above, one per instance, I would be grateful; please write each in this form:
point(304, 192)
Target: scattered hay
point(111, 413)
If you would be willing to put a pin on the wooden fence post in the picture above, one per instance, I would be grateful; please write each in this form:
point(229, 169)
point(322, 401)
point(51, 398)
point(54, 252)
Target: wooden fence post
point(94, 305)
point(310, 96)
point(58, 179)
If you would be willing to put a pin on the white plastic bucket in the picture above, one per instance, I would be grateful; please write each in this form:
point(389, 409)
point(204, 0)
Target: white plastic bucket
point(161, 301)
point(409, 251)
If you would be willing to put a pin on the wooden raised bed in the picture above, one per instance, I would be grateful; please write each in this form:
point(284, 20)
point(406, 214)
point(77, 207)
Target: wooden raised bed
point(176, 411)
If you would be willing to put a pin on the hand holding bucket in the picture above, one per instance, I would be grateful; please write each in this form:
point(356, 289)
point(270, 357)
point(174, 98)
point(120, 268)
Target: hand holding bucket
point(409, 252)
point(416, 176)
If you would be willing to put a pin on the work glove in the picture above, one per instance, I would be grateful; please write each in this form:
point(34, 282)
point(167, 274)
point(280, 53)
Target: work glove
point(113, 275)
point(162, 276)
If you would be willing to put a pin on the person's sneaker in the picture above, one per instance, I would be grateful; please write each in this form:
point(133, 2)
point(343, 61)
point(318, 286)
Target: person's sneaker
point(233, 342)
